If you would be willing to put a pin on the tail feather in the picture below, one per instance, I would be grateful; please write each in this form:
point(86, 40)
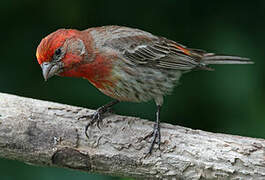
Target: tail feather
point(210, 58)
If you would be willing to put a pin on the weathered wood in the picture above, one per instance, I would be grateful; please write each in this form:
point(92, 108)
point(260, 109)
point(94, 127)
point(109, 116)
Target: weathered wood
point(50, 134)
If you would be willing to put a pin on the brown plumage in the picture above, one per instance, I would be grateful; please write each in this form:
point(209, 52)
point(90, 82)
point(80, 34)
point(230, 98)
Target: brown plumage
point(125, 63)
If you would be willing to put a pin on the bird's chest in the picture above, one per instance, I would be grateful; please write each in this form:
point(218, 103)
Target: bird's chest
point(138, 83)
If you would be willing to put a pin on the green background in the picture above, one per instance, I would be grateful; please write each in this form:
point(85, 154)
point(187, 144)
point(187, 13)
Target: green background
point(229, 100)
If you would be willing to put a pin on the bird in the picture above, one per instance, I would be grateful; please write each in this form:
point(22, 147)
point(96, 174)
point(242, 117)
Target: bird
point(127, 64)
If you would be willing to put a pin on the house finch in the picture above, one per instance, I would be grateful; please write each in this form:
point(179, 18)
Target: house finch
point(124, 63)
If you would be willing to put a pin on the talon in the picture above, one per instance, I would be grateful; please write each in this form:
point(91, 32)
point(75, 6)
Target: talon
point(156, 132)
point(155, 139)
point(98, 124)
point(97, 116)
point(86, 128)
point(85, 116)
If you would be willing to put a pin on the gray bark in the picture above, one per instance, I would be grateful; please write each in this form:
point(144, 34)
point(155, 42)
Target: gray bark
point(50, 134)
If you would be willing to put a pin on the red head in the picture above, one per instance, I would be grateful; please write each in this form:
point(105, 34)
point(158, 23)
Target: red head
point(60, 51)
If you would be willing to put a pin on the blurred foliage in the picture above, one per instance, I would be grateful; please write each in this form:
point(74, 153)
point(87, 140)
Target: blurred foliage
point(229, 100)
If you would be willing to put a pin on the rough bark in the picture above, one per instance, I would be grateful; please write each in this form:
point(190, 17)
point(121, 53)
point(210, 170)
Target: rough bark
point(50, 134)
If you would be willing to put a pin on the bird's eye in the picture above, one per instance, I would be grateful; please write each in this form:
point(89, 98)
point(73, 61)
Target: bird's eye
point(58, 51)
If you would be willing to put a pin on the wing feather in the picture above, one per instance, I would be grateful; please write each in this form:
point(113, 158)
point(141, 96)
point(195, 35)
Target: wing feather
point(162, 54)
point(139, 47)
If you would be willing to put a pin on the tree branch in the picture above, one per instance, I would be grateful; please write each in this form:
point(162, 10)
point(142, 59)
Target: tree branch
point(50, 134)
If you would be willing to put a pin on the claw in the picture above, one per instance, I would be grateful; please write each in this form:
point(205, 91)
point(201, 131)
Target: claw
point(86, 128)
point(156, 138)
point(156, 132)
point(99, 121)
point(97, 116)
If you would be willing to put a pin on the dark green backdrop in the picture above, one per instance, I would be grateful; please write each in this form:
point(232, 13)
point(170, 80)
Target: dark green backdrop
point(229, 100)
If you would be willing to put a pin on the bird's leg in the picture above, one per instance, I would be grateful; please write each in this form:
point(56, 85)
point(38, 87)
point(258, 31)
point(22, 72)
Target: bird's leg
point(156, 132)
point(97, 115)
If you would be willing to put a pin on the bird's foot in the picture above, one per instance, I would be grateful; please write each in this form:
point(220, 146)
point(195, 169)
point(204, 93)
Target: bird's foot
point(96, 118)
point(156, 138)
point(97, 115)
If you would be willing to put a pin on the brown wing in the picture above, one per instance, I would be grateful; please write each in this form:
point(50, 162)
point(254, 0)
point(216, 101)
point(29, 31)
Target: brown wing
point(142, 48)
point(163, 53)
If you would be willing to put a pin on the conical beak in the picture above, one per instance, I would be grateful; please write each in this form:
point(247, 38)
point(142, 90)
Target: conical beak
point(49, 70)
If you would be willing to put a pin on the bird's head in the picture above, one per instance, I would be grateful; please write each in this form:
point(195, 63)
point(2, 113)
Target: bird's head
point(60, 52)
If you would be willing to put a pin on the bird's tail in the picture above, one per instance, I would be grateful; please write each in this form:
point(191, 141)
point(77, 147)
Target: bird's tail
point(210, 58)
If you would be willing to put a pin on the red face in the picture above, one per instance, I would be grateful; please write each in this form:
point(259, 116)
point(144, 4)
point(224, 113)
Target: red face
point(59, 51)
